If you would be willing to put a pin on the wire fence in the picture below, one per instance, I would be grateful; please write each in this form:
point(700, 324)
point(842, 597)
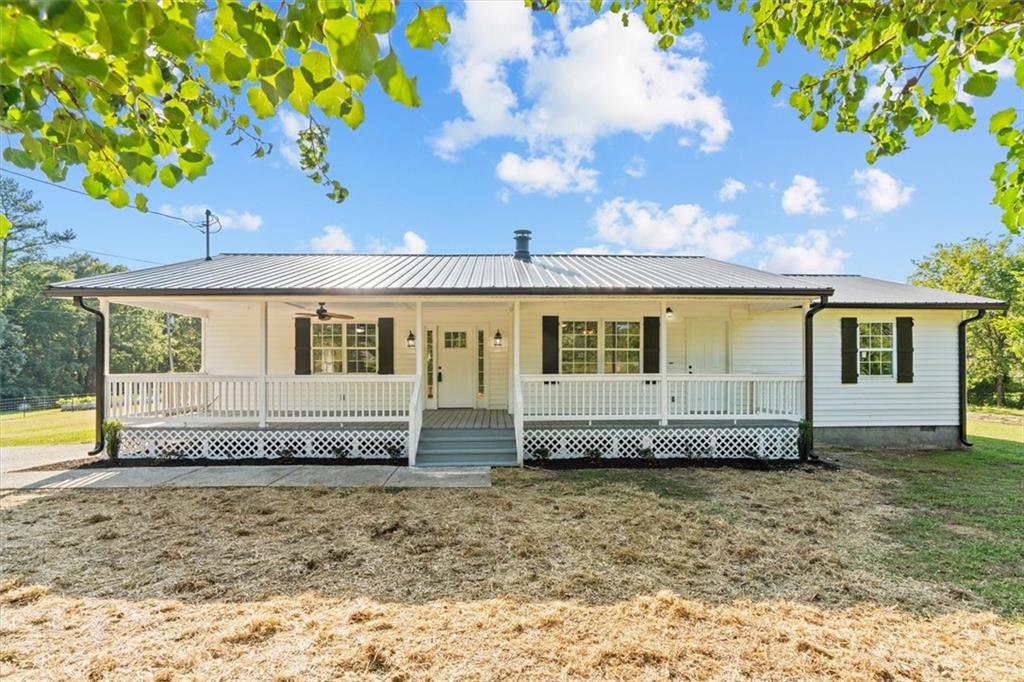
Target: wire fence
point(46, 402)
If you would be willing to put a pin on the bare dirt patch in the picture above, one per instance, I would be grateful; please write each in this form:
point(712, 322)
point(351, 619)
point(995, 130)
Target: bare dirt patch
point(620, 574)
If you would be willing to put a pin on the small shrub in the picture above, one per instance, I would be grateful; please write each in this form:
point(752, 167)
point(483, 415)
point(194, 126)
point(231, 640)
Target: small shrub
point(340, 452)
point(394, 451)
point(542, 453)
point(805, 442)
point(594, 454)
point(112, 435)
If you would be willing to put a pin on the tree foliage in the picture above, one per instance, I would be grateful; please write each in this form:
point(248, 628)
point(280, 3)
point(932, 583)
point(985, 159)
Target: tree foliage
point(132, 91)
point(996, 341)
point(27, 234)
point(894, 69)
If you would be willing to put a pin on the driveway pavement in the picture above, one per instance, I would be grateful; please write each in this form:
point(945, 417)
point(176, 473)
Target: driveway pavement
point(25, 456)
point(270, 475)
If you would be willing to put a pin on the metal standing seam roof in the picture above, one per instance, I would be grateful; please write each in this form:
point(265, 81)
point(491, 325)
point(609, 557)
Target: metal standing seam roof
point(859, 291)
point(316, 274)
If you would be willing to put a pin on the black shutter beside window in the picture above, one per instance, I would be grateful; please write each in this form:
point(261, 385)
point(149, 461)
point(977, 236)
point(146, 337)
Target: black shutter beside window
point(904, 350)
point(386, 345)
point(549, 344)
point(652, 345)
point(302, 341)
point(848, 341)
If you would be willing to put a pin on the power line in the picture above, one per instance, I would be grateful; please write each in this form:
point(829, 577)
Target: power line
point(108, 255)
point(191, 224)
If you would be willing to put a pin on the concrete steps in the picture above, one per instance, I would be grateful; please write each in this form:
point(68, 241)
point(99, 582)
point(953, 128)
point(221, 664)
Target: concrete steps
point(466, 447)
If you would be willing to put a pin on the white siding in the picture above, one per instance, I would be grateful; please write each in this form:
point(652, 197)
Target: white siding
point(930, 400)
point(768, 343)
point(232, 339)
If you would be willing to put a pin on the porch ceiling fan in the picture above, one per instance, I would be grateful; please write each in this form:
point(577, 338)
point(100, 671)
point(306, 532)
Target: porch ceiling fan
point(322, 314)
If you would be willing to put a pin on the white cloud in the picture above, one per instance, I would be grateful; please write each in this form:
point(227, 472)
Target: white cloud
point(636, 168)
point(881, 191)
point(229, 219)
point(291, 123)
point(805, 195)
point(333, 240)
point(580, 82)
point(680, 228)
point(850, 213)
point(547, 174)
point(730, 189)
point(811, 252)
point(504, 195)
point(412, 243)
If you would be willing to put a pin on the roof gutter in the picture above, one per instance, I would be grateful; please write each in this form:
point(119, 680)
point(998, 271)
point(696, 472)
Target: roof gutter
point(962, 372)
point(101, 379)
point(809, 357)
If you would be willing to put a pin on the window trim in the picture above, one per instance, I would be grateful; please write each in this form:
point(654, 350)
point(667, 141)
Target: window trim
point(344, 348)
point(601, 344)
point(892, 351)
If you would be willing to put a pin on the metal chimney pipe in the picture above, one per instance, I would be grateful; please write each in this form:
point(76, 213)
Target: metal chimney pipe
point(522, 245)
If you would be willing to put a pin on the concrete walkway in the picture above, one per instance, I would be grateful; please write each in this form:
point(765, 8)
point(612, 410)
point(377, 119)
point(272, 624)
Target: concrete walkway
point(263, 476)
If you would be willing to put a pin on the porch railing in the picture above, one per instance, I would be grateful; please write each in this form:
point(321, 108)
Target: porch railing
point(200, 397)
point(549, 397)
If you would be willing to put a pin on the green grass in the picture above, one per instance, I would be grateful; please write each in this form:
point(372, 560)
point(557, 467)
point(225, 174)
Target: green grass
point(966, 520)
point(991, 409)
point(47, 427)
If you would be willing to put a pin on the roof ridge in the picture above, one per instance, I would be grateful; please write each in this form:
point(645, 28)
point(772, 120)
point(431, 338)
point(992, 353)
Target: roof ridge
point(469, 255)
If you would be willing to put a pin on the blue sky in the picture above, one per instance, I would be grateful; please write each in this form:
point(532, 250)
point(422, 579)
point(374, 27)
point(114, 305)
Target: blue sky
point(585, 133)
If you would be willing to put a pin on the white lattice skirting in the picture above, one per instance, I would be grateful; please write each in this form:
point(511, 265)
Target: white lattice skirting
point(171, 443)
point(763, 442)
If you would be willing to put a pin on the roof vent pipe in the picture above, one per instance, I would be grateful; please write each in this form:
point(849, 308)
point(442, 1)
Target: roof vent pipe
point(522, 245)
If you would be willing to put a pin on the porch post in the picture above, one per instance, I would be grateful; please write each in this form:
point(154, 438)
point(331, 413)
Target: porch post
point(517, 389)
point(263, 364)
point(419, 385)
point(663, 365)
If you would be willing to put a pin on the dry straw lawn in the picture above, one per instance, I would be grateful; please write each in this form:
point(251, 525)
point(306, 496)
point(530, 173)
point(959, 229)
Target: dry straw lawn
point(718, 574)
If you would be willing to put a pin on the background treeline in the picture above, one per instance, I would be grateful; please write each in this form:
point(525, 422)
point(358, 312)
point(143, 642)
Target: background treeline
point(47, 344)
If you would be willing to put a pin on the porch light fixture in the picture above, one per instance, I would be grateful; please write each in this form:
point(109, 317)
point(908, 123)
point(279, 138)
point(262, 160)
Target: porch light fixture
point(498, 340)
point(410, 341)
point(669, 315)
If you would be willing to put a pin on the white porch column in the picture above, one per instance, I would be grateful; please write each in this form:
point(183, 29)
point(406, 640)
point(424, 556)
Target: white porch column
point(421, 343)
point(517, 386)
point(663, 364)
point(420, 385)
point(263, 364)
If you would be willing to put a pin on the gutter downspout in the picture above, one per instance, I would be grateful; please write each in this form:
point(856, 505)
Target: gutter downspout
point(809, 358)
point(961, 349)
point(101, 379)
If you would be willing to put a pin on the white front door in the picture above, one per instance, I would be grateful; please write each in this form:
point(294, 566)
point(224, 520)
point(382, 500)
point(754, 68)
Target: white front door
point(456, 368)
point(706, 344)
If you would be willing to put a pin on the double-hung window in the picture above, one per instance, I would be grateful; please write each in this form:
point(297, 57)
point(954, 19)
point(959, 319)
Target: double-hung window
point(579, 347)
point(608, 347)
point(344, 348)
point(875, 349)
point(621, 347)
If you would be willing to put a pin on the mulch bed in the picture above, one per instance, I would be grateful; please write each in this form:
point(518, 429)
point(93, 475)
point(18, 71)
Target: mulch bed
point(104, 463)
point(681, 462)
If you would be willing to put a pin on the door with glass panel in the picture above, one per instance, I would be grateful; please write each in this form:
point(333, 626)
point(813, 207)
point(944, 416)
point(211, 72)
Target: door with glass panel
point(456, 367)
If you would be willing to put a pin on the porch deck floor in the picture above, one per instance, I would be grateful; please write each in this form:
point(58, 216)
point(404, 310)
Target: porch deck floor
point(468, 418)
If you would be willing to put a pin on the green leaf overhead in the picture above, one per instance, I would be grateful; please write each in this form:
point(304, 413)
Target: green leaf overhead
point(430, 26)
point(891, 70)
point(133, 91)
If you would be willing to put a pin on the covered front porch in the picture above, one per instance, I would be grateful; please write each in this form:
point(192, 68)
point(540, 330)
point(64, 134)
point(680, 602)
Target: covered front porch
point(587, 377)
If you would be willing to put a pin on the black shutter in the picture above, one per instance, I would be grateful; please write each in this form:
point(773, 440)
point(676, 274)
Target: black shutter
point(848, 336)
point(652, 344)
point(549, 344)
point(386, 345)
point(904, 350)
point(302, 354)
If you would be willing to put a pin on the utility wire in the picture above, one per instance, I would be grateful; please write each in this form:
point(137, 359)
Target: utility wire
point(190, 223)
point(108, 255)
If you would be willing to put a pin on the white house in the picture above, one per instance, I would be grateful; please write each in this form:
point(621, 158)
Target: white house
point(500, 359)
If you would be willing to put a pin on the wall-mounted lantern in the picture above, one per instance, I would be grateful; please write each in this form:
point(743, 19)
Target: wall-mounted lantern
point(410, 341)
point(498, 340)
point(669, 315)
